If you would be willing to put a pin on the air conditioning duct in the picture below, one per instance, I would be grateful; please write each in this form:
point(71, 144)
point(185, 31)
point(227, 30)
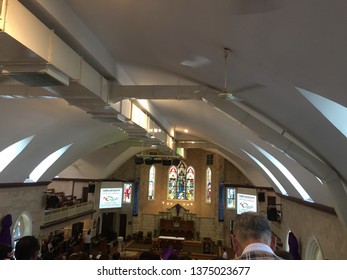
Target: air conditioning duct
point(36, 75)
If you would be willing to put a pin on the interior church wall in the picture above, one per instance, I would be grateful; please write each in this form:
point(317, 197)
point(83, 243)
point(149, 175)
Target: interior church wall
point(206, 222)
point(233, 175)
point(18, 200)
point(306, 222)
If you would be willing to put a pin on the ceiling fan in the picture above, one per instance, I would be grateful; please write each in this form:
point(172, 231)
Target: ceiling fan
point(230, 95)
point(225, 94)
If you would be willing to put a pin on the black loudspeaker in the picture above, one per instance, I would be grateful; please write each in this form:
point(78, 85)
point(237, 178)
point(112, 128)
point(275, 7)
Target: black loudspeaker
point(261, 196)
point(166, 162)
point(149, 161)
point(272, 214)
point(91, 188)
point(175, 162)
point(139, 160)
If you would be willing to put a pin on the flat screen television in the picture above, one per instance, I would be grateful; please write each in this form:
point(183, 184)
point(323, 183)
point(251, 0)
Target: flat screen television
point(246, 203)
point(110, 198)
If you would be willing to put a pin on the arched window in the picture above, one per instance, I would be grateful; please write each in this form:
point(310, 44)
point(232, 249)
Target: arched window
point(231, 198)
point(313, 251)
point(22, 227)
point(208, 185)
point(127, 192)
point(171, 194)
point(151, 183)
point(181, 182)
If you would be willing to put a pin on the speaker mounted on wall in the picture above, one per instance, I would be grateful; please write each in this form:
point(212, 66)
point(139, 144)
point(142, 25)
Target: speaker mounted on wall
point(91, 187)
point(272, 214)
point(261, 196)
point(166, 162)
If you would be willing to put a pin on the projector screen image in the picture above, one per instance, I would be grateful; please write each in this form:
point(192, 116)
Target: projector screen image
point(110, 198)
point(246, 203)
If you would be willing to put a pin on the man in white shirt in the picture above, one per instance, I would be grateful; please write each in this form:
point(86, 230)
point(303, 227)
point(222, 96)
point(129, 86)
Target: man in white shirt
point(87, 241)
point(225, 254)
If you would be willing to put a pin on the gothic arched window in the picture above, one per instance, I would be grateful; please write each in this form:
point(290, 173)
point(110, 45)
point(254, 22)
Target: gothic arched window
point(208, 185)
point(181, 182)
point(22, 227)
point(151, 183)
point(127, 192)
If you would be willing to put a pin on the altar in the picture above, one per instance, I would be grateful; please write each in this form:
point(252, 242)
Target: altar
point(170, 241)
point(177, 221)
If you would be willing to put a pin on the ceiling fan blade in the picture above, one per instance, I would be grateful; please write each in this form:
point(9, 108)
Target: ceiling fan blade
point(233, 95)
point(247, 88)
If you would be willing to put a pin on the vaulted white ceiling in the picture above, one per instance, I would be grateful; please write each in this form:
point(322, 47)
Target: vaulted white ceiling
point(286, 67)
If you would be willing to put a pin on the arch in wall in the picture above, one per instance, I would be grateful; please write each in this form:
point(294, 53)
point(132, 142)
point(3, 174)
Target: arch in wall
point(208, 184)
point(22, 227)
point(286, 245)
point(151, 183)
point(313, 250)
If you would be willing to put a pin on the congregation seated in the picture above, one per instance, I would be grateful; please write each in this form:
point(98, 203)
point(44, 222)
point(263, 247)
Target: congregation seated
point(149, 255)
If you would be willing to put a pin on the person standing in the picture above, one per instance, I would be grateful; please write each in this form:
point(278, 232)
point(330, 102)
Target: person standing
point(87, 241)
point(225, 253)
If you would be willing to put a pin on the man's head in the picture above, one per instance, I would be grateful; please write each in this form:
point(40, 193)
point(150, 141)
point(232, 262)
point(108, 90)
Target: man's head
point(250, 227)
point(27, 248)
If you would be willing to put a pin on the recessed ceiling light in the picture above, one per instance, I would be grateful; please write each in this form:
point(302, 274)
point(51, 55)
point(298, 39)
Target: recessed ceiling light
point(186, 130)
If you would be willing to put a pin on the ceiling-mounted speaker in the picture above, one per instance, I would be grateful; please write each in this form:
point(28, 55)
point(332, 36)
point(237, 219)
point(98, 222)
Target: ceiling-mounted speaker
point(166, 162)
point(175, 162)
point(139, 160)
point(149, 161)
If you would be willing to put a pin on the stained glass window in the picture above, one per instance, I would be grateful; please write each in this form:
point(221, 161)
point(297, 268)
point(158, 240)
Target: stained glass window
point(151, 183)
point(172, 183)
point(181, 182)
point(208, 185)
point(231, 198)
point(127, 192)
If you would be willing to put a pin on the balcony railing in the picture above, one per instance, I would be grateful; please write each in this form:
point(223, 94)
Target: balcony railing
point(67, 212)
